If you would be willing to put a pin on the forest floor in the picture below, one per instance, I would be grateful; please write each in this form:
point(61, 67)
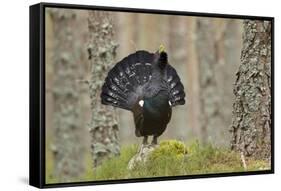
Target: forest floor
point(171, 158)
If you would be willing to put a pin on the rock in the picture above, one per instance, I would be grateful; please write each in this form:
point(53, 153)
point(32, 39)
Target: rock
point(142, 155)
point(166, 149)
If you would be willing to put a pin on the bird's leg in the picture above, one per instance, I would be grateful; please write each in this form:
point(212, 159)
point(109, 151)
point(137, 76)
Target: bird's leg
point(154, 140)
point(144, 142)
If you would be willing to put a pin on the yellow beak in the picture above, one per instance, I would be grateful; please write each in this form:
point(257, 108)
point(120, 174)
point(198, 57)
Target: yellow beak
point(161, 48)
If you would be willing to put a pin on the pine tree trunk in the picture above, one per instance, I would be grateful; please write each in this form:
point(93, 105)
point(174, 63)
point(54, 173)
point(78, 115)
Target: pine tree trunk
point(251, 122)
point(102, 52)
point(217, 44)
point(192, 77)
point(68, 153)
point(209, 118)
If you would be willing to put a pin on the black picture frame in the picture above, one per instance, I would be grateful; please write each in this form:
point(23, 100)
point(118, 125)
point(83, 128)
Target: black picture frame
point(37, 94)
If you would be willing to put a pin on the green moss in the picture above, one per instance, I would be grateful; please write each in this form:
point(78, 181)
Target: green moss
point(171, 148)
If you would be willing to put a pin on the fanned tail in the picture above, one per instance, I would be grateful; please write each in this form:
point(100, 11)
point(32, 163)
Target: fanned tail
point(124, 83)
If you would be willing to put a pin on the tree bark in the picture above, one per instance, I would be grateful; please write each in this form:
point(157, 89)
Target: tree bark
point(102, 51)
point(68, 153)
point(251, 122)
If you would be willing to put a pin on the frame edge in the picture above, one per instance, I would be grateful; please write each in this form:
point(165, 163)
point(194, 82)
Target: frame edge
point(35, 163)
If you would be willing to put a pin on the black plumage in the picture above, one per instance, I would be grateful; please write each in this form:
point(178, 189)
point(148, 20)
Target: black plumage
point(146, 84)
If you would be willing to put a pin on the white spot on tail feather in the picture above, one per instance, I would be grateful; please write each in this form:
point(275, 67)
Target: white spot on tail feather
point(141, 102)
point(170, 103)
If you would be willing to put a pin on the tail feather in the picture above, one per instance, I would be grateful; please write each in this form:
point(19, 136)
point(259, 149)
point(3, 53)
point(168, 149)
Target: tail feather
point(176, 88)
point(143, 68)
point(108, 100)
point(125, 79)
point(114, 92)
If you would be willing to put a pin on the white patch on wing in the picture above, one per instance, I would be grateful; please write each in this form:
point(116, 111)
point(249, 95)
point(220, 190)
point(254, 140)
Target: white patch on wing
point(141, 102)
point(170, 103)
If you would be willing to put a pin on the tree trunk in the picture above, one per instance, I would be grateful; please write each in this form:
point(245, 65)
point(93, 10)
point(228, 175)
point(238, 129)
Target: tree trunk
point(68, 153)
point(210, 113)
point(192, 78)
point(251, 122)
point(102, 51)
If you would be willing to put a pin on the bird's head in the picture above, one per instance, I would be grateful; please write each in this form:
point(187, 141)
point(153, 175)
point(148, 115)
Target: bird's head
point(161, 57)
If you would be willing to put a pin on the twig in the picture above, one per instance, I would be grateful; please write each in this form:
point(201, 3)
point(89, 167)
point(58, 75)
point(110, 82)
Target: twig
point(243, 160)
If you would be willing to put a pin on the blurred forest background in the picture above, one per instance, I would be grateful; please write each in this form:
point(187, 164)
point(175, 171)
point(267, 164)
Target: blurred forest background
point(204, 51)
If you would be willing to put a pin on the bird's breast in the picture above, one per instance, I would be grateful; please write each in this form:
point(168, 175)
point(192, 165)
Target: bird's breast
point(157, 107)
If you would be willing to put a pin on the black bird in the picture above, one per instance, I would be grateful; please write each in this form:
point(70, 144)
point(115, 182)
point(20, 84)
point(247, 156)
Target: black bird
point(147, 85)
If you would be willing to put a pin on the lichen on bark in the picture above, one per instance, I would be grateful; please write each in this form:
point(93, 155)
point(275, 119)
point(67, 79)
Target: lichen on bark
point(103, 126)
point(251, 122)
point(67, 152)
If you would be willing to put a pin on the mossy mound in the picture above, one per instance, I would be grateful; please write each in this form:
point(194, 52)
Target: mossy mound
point(150, 154)
point(171, 158)
point(174, 158)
